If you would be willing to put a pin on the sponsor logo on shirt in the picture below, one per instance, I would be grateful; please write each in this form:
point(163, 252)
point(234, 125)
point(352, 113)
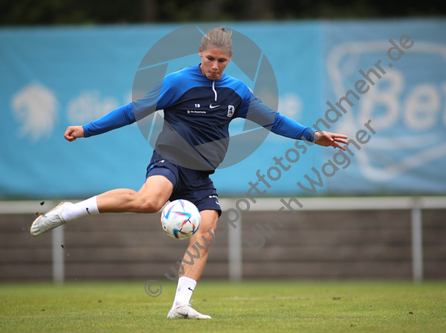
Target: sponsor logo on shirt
point(196, 111)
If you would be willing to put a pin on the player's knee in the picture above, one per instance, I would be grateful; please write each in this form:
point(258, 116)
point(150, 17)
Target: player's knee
point(203, 237)
point(212, 228)
point(149, 206)
point(208, 229)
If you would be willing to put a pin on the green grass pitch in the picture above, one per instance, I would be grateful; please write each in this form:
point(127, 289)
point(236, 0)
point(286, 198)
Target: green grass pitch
point(260, 306)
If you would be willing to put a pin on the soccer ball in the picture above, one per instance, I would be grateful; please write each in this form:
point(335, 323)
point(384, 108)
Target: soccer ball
point(180, 219)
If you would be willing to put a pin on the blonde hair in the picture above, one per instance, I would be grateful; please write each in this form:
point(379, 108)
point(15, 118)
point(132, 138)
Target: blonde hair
point(217, 37)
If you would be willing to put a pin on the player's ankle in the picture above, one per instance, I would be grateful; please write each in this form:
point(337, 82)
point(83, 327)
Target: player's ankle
point(82, 208)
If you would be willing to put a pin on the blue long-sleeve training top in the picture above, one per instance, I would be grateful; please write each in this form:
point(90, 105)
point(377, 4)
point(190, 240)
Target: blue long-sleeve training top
point(197, 113)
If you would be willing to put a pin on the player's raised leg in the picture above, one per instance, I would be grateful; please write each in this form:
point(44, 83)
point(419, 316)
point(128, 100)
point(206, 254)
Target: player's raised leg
point(193, 265)
point(149, 199)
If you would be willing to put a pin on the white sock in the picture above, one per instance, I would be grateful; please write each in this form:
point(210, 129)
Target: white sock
point(184, 292)
point(79, 209)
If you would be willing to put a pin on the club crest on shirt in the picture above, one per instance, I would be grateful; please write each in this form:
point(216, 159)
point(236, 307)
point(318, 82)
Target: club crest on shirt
point(231, 110)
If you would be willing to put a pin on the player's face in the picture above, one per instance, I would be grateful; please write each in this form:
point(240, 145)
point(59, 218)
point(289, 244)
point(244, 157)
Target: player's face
point(213, 62)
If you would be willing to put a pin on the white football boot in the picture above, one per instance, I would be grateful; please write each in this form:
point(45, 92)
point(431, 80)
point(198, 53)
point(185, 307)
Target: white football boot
point(186, 312)
point(49, 221)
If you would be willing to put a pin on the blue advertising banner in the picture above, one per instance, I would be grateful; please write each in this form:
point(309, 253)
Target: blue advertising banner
point(400, 70)
point(52, 78)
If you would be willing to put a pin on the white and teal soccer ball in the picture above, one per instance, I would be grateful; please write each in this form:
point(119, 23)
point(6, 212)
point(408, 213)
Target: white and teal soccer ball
point(180, 219)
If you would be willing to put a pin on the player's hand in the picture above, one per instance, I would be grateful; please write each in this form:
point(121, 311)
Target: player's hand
point(74, 132)
point(327, 139)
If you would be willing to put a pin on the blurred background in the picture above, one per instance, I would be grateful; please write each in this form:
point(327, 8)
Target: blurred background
point(70, 62)
point(58, 12)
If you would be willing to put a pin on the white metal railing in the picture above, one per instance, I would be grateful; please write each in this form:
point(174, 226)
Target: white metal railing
point(415, 204)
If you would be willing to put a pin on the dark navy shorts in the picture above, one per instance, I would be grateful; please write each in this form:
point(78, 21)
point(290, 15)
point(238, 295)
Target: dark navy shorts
point(192, 185)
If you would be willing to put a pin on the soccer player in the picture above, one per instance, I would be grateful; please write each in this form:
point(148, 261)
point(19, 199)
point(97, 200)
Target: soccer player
point(187, 151)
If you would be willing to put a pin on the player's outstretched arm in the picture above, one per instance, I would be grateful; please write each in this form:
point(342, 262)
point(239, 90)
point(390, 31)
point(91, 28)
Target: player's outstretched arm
point(327, 139)
point(74, 132)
